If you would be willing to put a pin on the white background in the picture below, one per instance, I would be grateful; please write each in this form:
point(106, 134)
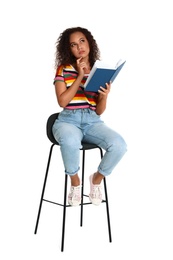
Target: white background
point(139, 107)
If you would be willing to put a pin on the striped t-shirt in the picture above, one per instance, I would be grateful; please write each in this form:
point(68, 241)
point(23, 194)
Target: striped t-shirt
point(82, 99)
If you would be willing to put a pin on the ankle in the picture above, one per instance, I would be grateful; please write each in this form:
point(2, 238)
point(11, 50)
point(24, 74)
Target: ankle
point(97, 178)
point(75, 181)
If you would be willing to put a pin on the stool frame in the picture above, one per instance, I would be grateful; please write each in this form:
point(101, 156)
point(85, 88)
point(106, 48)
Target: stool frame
point(85, 146)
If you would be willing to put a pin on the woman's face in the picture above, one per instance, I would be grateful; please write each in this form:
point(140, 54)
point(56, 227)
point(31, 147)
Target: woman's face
point(79, 45)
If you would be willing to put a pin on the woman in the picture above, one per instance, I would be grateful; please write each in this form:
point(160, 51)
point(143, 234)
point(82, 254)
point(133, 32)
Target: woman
point(76, 52)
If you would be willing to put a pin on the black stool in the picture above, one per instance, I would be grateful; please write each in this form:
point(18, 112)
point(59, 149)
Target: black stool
point(85, 146)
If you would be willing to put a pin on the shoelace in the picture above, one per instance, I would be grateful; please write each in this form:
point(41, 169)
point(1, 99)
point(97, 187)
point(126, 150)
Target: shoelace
point(96, 191)
point(75, 192)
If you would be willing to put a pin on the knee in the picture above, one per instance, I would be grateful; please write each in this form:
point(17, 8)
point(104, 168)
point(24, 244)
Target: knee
point(119, 146)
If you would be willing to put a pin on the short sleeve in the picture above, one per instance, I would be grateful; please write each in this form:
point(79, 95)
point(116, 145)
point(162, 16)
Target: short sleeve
point(59, 76)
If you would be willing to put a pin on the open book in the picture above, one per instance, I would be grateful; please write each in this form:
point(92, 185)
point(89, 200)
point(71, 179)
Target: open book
point(101, 74)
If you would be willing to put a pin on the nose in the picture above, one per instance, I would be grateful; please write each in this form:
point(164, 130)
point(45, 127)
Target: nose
point(79, 46)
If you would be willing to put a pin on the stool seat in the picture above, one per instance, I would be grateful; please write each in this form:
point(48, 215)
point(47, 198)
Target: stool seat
point(49, 125)
point(85, 146)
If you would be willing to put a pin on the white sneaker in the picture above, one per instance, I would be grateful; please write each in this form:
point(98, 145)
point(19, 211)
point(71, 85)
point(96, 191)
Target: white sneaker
point(95, 195)
point(74, 197)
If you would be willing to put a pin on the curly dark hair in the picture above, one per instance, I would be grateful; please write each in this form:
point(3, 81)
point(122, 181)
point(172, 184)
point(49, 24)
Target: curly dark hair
point(63, 53)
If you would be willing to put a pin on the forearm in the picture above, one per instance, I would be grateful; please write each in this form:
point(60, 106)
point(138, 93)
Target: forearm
point(65, 97)
point(102, 98)
point(101, 105)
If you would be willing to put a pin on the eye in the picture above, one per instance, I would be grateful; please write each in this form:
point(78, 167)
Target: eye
point(72, 44)
point(82, 40)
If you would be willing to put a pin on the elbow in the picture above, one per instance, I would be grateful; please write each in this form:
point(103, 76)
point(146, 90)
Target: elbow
point(62, 104)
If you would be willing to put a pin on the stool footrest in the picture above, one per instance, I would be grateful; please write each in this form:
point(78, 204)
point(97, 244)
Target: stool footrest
point(60, 204)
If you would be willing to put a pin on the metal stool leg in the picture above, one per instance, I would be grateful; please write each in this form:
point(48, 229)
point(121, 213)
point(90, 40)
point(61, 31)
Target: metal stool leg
point(43, 190)
point(82, 187)
point(64, 212)
point(107, 210)
point(106, 201)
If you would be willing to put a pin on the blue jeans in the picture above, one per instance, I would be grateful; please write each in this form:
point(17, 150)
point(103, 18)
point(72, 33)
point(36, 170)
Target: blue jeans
point(74, 126)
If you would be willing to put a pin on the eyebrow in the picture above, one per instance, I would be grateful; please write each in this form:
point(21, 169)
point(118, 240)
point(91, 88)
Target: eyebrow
point(82, 38)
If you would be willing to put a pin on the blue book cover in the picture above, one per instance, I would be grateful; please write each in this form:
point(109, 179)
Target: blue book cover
point(101, 74)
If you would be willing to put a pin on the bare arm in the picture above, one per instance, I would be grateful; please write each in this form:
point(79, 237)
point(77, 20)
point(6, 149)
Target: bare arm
point(102, 99)
point(64, 95)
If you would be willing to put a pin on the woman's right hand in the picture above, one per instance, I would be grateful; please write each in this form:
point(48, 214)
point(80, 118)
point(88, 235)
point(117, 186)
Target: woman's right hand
point(82, 67)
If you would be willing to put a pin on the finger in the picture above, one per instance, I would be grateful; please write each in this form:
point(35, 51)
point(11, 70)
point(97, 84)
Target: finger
point(78, 60)
point(102, 88)
point(101, 92)
point(108, 85)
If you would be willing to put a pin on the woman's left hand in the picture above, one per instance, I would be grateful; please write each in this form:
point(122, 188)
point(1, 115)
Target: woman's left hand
point(105, 91)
